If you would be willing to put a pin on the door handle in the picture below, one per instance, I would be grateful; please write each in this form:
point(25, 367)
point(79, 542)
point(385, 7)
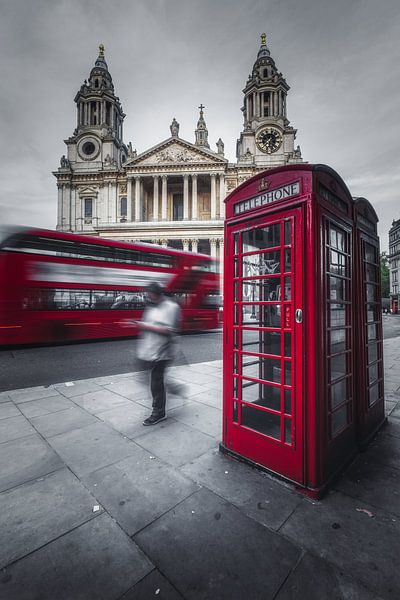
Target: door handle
point(298, 315)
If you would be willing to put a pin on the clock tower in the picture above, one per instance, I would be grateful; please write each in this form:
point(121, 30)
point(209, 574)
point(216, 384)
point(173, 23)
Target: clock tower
point(267, 139)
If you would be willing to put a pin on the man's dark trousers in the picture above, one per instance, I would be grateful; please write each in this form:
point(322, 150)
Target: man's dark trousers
point(157, 386)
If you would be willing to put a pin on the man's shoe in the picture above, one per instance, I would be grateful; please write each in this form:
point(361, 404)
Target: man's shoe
point(153, 419)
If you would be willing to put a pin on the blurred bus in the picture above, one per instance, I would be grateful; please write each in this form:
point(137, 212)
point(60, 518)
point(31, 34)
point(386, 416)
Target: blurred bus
point(59, 287)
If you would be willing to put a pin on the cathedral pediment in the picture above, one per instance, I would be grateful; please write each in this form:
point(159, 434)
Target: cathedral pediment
point(175, 151)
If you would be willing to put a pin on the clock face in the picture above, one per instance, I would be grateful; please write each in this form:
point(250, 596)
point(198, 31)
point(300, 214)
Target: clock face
point(269, 140)
point(88, 148)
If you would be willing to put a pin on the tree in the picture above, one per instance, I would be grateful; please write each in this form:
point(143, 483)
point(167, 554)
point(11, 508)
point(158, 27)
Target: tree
point(385, 275)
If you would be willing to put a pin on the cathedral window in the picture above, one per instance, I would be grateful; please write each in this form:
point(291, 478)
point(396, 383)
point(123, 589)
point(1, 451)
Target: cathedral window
point(265, 73)
point(123, 208)
point(88, 209)
point(96, 83)
point(93, 113)
point(177, 214)
point(108, 113)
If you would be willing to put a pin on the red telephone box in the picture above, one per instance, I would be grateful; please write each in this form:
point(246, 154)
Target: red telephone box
point(370, 403)
point(289, 401)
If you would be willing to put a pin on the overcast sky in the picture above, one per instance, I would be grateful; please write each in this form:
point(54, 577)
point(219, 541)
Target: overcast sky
point(340, 57)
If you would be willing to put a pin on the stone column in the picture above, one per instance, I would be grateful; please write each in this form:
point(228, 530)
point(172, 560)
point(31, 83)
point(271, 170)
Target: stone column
point(185, 244)
point(109, 208)
point(221, 264)
point(113, 192)
point(221, 196)
point(194, 198)
point(78, 212)
point(129, 199)
point(164, 198)
point(213, 247)
point(72, 209)
point(138, 207)
point(195, 243)
point(213, 197)
point(186, 197)
point(59, 207)
point(155, 197)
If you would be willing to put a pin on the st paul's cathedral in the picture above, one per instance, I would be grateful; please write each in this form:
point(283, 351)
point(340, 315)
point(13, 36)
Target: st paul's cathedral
point(173, 193)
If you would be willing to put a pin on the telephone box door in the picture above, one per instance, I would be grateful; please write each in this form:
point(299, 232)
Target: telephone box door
point(263, 368)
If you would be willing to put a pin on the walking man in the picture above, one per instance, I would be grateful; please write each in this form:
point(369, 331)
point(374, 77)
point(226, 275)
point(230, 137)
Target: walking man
point(159, 326)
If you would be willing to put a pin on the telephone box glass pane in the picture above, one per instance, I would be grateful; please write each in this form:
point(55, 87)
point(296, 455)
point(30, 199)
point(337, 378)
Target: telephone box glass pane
point(370, 273)
point(338, 393)
point(372, 310)
point(288, 288)
point(235, 411)
point(288, 344)
point(236, 339)
point(288, 431)
point(338, 340)
point(264, 422)
point(374, 394)
point(372, 352)
point(288, 229)
point(262, 315)
point(261, 238)
point(338, 366)
point(371, 292)
point(267, 263)
point(288, 402)
point(261, 394)
point(373, 373)
point(337, 263)
point(338, 420)
point(264, 290)
point(267, 369)
point(288, 373)
point(337, 315)
point(337, 288)
point(372, 333)
point(263, 342)
point(370, 253)
point(288, 261)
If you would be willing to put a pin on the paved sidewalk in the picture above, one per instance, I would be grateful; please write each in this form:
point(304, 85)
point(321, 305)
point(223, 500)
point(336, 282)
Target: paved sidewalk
point(95, 506)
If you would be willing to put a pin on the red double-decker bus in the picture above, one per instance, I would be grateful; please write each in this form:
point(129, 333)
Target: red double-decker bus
point(59, 287)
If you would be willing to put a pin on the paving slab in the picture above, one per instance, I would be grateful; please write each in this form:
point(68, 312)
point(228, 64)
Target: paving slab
point(37, 512)
point(96, 402)
point(129, 389)
point(62, 421)
point(266, 500)
point(96, 560)
point(154, 585)
point(373, 483)
point(14, 428)
point(393, 427)
point(25, 459)
point(44, 406)
point(315, 579)
point(385, 448)
point(77, 388)
point(203, 418)
point(208, 549)
point(128, 420)
point(33, 393)
point(4, 397)
point(8, 409)
point(138, 489)
point(361, 546)
point(209, 397)
point(91, 447)
point(175, 443)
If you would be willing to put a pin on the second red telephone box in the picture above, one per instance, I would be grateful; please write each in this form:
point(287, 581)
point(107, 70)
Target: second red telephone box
point(289, 401)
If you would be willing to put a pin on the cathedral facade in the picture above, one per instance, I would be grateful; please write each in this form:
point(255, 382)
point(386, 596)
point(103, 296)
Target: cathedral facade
point(173, 193)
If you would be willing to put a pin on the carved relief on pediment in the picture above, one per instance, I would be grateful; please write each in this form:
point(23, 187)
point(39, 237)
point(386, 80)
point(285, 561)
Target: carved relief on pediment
point(173, 155)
